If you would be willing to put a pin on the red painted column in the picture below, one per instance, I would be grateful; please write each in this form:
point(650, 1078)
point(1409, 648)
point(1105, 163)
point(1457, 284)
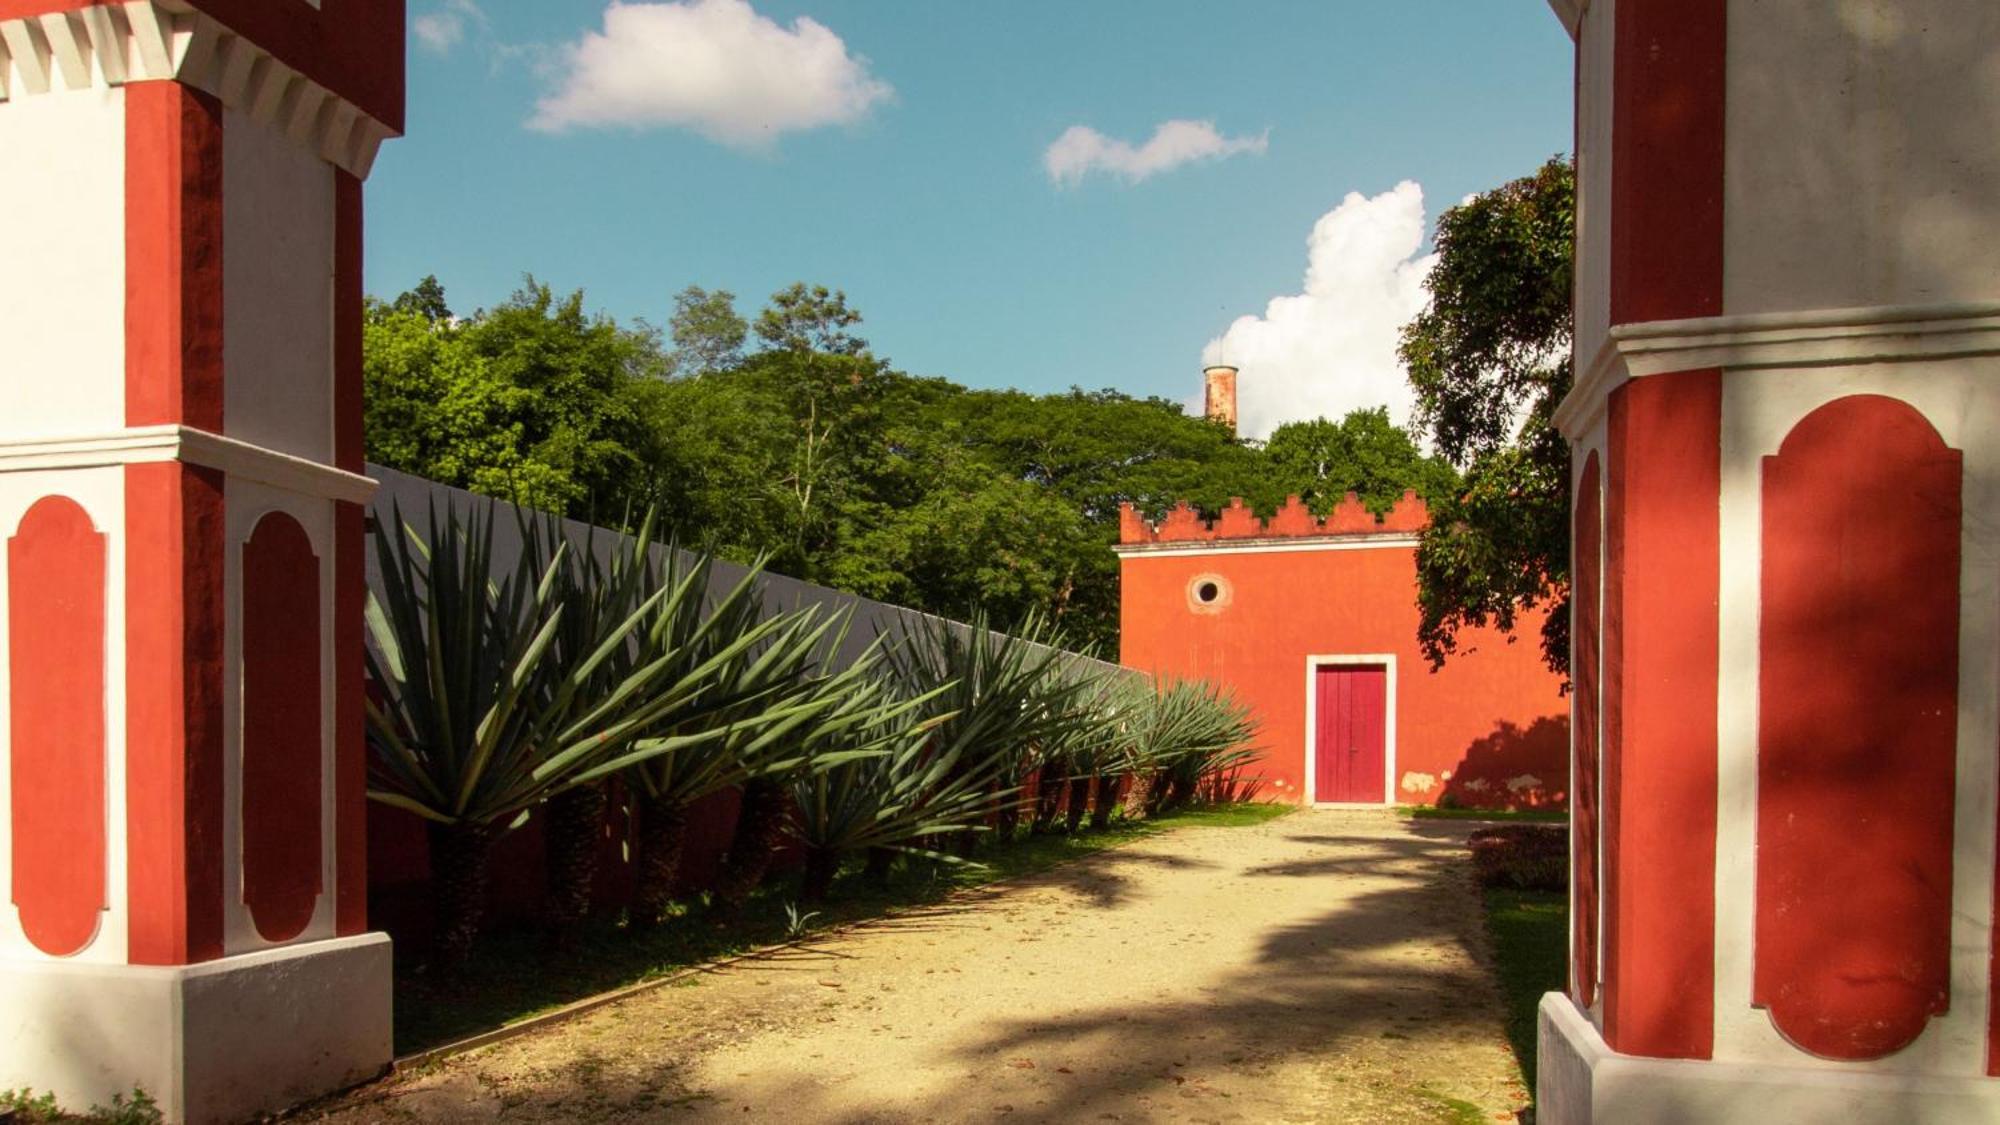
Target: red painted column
point(174, 527)
point(173, 255)
point(1659, 719)
point(174, 713)
point(1666, 163)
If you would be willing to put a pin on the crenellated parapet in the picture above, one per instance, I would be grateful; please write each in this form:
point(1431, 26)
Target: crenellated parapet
point(1183, 524)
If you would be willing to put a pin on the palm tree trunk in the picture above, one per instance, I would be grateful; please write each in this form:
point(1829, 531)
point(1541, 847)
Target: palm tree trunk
point(569, 852)
point(760, 826)
point(1079, 801)
point(1048, 795)
point(1105, 801)
point(459, 853)
point(879, 860)
point(662, 838)
point(1006, 818)
point(822, 864)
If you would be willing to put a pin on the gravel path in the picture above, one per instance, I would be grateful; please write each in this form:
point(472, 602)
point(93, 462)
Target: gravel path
point(1324, 966)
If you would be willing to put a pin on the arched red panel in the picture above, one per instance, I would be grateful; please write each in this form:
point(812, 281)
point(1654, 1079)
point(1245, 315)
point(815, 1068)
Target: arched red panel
point(281, 728)
point(55, 647)
point(1585, 591)
point(1857, 728)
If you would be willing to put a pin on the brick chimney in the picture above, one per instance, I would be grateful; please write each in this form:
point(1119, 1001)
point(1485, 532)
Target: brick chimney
point(1219, 383)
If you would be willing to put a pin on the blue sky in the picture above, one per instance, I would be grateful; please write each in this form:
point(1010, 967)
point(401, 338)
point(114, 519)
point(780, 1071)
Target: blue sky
point(899, 151)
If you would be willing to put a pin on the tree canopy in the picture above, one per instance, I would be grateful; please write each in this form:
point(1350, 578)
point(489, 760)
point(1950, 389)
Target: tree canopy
point(814, 452)
point(1490, 361)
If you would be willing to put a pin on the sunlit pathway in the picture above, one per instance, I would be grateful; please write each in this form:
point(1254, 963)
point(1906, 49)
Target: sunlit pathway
point(1320, 967)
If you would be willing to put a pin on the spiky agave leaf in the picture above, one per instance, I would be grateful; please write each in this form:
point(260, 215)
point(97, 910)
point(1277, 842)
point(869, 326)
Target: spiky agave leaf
point(886, 775)
point(492, 691)
point(1188, 731)
point(1014, 693)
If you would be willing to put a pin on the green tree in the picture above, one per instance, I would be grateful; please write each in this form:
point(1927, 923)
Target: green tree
point(1490, 361)
point(533, 401)
point(806, 319)
point(708, 334)
point(1363, 453)
point(426, 299)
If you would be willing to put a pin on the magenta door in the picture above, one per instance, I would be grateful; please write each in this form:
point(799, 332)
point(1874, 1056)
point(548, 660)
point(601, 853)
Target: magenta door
point(1350, 744)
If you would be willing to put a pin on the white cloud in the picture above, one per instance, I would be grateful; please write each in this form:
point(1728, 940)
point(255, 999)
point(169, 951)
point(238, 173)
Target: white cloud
point(444, 27)
point(1082, 150)
point(713, 66)
point(1332, 348)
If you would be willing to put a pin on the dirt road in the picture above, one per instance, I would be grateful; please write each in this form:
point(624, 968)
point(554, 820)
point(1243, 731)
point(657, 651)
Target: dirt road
point(1324, 966)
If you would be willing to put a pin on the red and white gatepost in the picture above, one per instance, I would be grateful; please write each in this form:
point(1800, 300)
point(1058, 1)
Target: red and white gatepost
point(1786, 426)
point(182, 852)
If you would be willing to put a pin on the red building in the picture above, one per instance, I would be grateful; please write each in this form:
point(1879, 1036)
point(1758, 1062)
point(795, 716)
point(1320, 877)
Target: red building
point(1313, 623)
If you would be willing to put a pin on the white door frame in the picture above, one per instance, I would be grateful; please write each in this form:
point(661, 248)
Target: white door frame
point(1313, 664)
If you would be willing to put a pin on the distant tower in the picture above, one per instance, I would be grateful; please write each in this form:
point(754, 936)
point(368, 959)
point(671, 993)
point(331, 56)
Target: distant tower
point(1219, 383)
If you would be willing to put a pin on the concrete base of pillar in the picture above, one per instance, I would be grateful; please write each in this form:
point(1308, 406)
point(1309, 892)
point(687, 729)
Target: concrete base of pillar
point(1580, 1081)
point(219, 1041)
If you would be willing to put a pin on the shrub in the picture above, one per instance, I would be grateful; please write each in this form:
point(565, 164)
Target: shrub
point(1529, 857)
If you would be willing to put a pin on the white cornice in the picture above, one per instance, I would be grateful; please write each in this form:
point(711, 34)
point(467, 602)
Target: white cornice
point(148, 444)
point(107, 45)
point(1185, 547)
point(1810, 338)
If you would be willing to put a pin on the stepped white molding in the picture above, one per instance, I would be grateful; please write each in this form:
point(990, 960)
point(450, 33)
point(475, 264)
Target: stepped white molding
point(108, 45)
point(143, 444)
point(1809, 338)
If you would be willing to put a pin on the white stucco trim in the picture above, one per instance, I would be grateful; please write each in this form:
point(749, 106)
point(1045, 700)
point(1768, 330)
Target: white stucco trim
point(1811, 337)
point(112, 44)
point(1595, 440)
point(224, 1040)
point(1582, 1081)
point(248, 502)
point(1265, 546)
point(1759, 408)
point(144, 444)
point(1313, 664)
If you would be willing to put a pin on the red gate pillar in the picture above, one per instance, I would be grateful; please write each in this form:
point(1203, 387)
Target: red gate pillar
point(182, 770)
point(1786, 427)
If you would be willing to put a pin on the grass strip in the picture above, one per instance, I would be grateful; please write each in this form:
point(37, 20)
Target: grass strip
point(1530, 931)
point(515, 975)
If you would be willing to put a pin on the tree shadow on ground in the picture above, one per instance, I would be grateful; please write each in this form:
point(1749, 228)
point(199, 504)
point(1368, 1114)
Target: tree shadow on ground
point(1101, 879)
point(1365, 974)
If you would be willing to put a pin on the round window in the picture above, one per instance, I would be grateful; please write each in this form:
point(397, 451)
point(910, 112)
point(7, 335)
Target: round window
point(1208, 593)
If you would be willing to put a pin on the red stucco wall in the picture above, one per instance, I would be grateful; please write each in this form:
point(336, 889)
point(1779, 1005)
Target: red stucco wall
point(1491, 728)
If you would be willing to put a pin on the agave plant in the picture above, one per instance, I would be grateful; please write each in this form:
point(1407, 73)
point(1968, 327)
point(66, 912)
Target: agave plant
point(759, 700)
point(1016, 691)
point(1094, 747)
point(594, 589)
point(889, 774)
point(476, 714)
point(1191, 730)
